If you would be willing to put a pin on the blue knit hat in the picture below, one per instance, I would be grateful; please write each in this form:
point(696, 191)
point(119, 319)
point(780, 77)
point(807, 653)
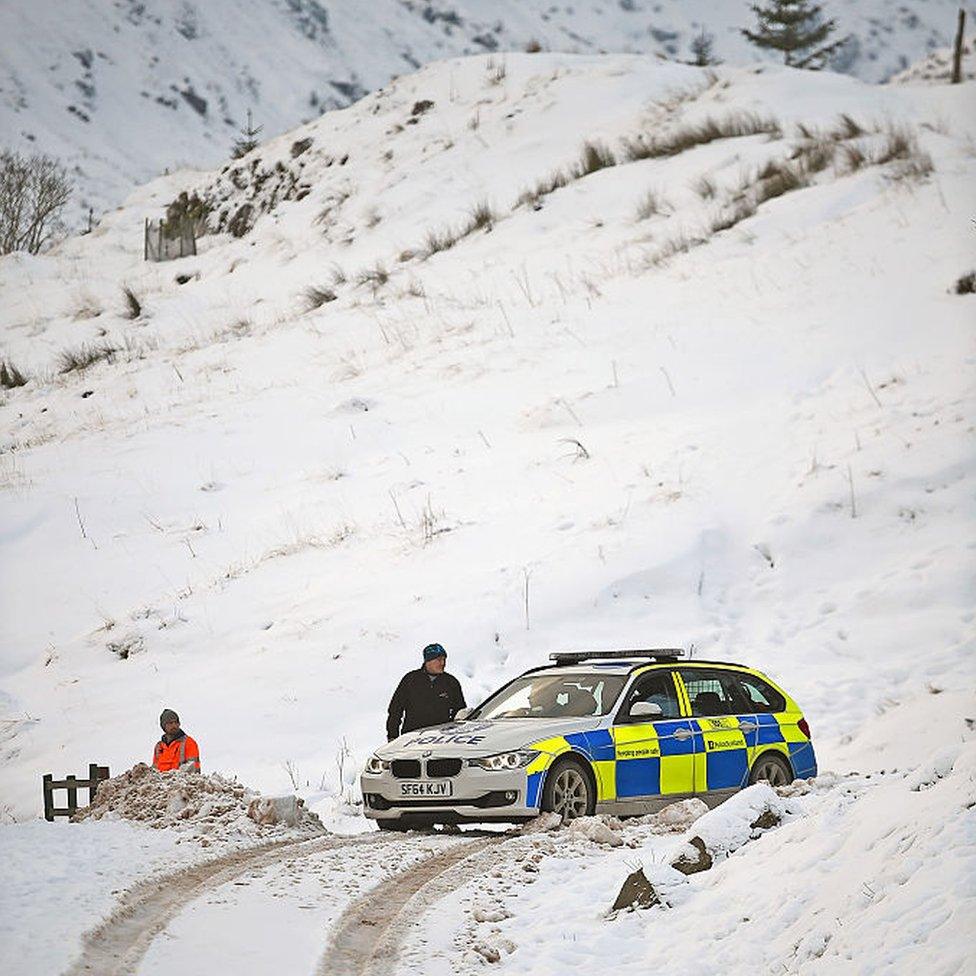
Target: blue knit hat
point(434, 650)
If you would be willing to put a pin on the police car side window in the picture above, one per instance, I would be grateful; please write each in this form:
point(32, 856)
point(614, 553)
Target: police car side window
point(658, 689)
point(710, 692)
point(759, 695)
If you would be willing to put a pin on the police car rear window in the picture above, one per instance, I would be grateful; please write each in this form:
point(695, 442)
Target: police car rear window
point(759, 695)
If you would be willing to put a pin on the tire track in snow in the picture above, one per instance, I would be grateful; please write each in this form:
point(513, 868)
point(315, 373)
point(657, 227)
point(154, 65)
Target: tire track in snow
point(116, 946)
point(368, 936)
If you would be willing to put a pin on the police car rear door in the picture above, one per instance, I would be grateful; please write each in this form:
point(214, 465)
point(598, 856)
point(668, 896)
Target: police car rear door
point(653, 743)
point(722, 751)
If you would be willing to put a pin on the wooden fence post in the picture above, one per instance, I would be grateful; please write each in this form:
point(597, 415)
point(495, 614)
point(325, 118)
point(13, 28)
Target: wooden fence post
point(48, 798)
point(957, 50)
point(72, 784)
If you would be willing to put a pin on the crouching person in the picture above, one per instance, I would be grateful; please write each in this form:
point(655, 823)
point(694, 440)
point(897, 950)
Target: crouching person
point(175, 750)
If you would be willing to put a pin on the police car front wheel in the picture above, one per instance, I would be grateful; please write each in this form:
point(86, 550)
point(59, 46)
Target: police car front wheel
point(568, 791)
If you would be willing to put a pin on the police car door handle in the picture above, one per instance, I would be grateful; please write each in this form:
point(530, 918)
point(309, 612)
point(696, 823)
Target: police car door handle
point(683, 733)
point(748, 726)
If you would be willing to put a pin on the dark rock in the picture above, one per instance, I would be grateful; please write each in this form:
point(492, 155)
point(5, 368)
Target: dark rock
point(636, 892)
point(692, 865)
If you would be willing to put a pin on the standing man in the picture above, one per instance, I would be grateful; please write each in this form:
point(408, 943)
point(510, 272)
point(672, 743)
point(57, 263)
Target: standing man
point(175, 750)
point(425, 697)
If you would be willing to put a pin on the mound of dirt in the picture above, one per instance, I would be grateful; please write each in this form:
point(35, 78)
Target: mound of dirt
point(208, 806)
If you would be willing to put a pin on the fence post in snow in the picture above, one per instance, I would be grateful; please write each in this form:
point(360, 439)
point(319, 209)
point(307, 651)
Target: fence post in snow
point(957, 50)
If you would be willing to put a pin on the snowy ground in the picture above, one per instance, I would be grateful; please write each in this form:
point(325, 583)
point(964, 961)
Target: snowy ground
point(257, 513)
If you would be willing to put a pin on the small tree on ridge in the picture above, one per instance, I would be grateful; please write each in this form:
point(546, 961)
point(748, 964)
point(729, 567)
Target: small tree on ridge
point(797, 28)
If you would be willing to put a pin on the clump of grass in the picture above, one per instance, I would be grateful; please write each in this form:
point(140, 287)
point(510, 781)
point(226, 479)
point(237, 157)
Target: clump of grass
point(337, 275)
point(847, 128)
point(852, 157)
point(651, 204)
point(316, 296)
point(901, 146)
point(679, 244)
point(732, 126)
point(548, 184)
point(133, 307)
point(436, 241)
point(816, 155)
point(705, 187)
point(782, 177)
point(496, 72)
point(482, 217)
point(375, 277)
point(10, 376)
point(727, 218)
point(594, 156)
point(85, 355)
point(965, 285)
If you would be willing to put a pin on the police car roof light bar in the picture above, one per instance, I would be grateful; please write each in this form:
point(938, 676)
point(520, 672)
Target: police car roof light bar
point(656, 653)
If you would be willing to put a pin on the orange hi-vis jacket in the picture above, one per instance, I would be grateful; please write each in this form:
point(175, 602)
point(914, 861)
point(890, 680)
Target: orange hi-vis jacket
point(181, 753)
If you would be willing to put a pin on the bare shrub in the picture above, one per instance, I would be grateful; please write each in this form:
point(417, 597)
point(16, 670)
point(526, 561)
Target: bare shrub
point(33, 193)
point(85, 355)
point(10, 376)
point(316, 297)
point(705, 187)
point(732, 126)
point(651, 204)
point(133, 307)
point(594, 156)
point(965, 285)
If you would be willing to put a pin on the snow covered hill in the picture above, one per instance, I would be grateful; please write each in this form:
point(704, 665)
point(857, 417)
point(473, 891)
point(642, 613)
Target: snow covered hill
point(124, 90)
point(552, 352)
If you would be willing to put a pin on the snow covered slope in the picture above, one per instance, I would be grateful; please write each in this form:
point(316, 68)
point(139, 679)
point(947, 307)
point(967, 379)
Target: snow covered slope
point(739, 419)
point(124, 90)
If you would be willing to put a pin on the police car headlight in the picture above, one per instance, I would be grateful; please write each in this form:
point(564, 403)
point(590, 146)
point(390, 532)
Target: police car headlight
point(505, 760)
point(376, 765)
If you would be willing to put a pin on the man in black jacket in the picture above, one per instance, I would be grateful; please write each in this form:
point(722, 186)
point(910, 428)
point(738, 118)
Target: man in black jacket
point(425, 697)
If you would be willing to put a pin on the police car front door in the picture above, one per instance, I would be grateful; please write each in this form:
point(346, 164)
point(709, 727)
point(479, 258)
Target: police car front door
point(653, 753)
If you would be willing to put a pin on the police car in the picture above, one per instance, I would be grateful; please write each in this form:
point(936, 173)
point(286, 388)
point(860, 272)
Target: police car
point(621, 732)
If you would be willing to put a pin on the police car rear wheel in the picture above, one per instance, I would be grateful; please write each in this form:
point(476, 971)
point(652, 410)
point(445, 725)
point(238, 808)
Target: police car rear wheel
point(568, 792)
point(773, 769)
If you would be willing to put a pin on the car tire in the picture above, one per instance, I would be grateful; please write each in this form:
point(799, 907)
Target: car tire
point(773, 768)
point(568, 790)
point(392, 825)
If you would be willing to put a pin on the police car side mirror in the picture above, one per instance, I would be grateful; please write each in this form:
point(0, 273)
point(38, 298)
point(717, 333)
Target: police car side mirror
point(646, 710)
point(463, 714)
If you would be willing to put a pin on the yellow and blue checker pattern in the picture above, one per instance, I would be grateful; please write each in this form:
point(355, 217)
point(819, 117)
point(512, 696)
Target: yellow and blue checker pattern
point(647, 759)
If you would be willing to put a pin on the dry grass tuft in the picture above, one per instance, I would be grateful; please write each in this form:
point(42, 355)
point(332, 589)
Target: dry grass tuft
point(316, 297)
point(10, 376)
point(71, 360)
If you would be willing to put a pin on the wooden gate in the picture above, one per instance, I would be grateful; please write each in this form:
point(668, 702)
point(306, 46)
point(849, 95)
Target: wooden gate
point(72, 784)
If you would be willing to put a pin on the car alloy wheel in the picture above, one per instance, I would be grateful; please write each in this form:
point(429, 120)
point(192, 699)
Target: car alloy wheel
point(773, 770)
point(570, 793)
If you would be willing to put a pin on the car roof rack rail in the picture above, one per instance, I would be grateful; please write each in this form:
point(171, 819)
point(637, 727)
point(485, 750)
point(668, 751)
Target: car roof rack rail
point(653, 653)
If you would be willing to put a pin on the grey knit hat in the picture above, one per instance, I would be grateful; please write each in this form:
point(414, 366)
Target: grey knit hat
point(168, 715)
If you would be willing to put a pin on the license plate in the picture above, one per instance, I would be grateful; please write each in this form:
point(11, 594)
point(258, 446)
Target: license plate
point(426, 789)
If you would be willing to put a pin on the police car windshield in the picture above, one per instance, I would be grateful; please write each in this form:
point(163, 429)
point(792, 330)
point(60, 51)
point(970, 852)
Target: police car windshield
point(554, 696)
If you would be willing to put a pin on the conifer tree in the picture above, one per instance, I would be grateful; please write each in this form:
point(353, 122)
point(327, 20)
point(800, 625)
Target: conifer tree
point(796, 28)
point(701, 48)
point(248, 140)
